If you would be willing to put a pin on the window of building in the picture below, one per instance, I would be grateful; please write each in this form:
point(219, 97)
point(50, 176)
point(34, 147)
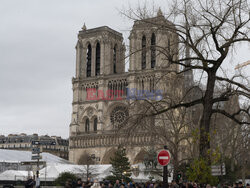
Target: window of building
point(87, 125)
point(89, 60)
point(114, 59)
point(119, 116)
point(143, 54)
point(153, 52)
point(169, 46)
point(95, 124)
point(97, 60)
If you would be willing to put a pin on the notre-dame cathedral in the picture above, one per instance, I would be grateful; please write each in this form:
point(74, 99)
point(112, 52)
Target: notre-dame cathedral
point(104, 94)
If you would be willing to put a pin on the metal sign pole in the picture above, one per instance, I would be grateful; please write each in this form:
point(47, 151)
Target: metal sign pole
point(37, 150)
point(37, 173)
point(165, 173)
point(37, 170)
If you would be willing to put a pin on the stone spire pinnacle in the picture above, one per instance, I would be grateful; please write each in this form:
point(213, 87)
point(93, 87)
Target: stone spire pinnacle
point(84, 28)
point(188, 74)
point(159, 13)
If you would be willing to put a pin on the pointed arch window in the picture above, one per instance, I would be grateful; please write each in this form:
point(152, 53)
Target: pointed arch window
point(97, 59)
point(143, 54)
point(87, 125)
point(142, 84)
point(114, 59)
point(169, 46)
point(89, 53)
point(153, 52)
point(95, 124)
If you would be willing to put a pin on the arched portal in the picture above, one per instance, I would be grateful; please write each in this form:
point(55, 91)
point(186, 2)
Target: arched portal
point(106, 158)
point(139, 158)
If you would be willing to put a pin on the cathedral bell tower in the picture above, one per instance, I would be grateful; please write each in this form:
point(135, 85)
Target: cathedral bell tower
point(99, 51)
point(150, 39)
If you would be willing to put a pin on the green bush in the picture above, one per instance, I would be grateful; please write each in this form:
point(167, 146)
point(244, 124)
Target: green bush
point(65, 176)
point(200, 171)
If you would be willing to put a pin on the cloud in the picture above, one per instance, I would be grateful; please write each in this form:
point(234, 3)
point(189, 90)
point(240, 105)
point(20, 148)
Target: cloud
point(37, 59)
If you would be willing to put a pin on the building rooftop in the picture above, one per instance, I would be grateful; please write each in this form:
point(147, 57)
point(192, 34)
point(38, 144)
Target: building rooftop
point(18, 156)
point(23, 138)
point(99, 29)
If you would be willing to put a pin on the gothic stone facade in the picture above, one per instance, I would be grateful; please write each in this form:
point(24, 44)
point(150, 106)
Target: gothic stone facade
point(100, 65)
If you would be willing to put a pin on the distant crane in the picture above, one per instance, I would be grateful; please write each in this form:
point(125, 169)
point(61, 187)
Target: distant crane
point(242, 64)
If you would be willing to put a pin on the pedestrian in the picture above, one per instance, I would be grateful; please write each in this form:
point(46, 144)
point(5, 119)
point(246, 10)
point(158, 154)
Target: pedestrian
point(240, 185)
point(110, 185)
point(83, 185)
point(96, 184)
point(30, 183)
point(88, 183)
point(174, 184)
point(68, 184)
point(103, 185)
point(117, 184)
point(79, 182)
point(208, 186)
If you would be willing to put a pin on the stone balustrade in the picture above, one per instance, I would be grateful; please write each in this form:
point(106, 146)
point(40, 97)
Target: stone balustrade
point(110, 140)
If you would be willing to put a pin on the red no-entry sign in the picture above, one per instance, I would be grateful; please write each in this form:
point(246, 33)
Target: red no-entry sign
point(163, 157)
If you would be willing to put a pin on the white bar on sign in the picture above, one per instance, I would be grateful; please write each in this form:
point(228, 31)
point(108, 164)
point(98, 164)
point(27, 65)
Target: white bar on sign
point(162, 157)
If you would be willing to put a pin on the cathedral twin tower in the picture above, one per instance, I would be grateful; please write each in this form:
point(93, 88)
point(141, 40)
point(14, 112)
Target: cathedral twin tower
point(97, 122)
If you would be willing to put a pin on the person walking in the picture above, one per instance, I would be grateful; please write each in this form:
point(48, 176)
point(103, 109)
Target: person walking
point(96, 184)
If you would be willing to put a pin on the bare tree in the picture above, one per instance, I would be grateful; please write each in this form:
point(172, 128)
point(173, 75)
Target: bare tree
point(210, 30)
point(88, 161)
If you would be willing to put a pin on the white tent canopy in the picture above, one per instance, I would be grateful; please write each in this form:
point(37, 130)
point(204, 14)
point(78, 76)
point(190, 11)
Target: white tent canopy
point(51, 172)
point(99, 172)
point(14, 175)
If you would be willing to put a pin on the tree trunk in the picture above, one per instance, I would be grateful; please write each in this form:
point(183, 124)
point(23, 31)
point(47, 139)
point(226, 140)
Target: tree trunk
point(175, 163)
point(206, 117)
point(87, 171)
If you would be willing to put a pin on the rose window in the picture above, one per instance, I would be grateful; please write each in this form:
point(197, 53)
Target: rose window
point(119, 115)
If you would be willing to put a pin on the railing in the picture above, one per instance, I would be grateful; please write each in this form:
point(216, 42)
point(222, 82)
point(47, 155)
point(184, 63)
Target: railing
point(111, 139)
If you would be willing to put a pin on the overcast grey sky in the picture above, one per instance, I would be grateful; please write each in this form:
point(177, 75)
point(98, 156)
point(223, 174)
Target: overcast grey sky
point(37, 58)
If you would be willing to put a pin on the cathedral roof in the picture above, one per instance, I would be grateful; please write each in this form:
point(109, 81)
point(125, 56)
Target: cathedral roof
point(86, 31)
point(158, 21)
